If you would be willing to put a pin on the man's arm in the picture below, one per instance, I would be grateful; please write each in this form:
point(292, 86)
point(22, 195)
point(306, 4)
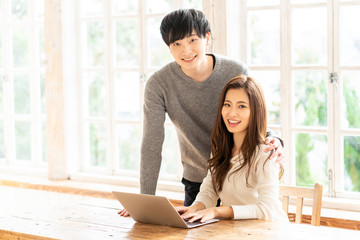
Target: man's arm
point(153, 138)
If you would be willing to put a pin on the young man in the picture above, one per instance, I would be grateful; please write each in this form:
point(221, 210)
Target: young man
point(188, 89)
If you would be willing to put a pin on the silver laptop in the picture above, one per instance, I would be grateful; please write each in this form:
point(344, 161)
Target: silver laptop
point(155, 210)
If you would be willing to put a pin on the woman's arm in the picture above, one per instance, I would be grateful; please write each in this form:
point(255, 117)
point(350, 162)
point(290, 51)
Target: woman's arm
point(207, 195)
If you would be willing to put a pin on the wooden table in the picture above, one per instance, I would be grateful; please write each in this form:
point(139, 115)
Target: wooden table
point(95, 220)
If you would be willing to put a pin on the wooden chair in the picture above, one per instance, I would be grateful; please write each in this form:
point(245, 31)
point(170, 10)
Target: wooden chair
point(300, 193)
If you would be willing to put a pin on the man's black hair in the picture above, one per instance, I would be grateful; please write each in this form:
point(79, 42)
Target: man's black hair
point(181, 23)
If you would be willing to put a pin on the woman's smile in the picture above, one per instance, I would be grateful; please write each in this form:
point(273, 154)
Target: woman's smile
point(233, 123)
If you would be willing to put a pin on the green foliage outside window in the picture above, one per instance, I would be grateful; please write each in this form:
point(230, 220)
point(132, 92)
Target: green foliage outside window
point(129, 139)
point(2, 138)
point(351, 143)
point(311, 110)
point(23, 140)
point(303, 173)
point(20, 46)
point(311, 99)
point(96, 44)
point(21, 94)
point(1, 94)
point(19, 9)
point(97, 95)
point(97, 144)
point(1, 53)
point(352, 162)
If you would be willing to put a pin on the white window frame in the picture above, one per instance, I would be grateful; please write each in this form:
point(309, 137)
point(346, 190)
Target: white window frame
point(81, 170)
point(333, 130)
point(36, 118)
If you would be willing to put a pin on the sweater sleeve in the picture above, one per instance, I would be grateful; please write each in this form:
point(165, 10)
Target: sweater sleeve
point(207, 194)
point(153, 137)
point(267, 185)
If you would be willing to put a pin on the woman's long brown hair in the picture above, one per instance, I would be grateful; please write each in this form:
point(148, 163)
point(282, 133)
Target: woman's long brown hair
point(222, 141)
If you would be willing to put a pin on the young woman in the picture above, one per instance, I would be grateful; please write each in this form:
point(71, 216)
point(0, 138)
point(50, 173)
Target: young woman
point(239, 171)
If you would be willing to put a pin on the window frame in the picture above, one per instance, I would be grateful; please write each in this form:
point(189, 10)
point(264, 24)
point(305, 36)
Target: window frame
point(34, 70)
point(82, 169)
point(287, 127)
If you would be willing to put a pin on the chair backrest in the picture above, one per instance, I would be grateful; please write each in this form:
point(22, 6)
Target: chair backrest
point(300, 193)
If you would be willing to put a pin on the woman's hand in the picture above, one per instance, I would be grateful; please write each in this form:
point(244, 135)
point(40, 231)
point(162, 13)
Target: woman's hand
point(210, 213)
point(187, 211)
point(202, 215)
point(124, 213)
point(275, 144)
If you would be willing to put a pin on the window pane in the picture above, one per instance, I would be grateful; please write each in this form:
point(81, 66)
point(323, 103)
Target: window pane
point(20, 46)
point(92, 8)
point(307, 1)
point(351, 98)
point(310, 88)
point(19, 9)
point(42, 92)
point(23, 140)
point(43, 136)
point(352, 163)
point(2, 140)
point(252, 3)
point(40, 9)
point(264, 37)
point(1, 30)
point(1, 48)
point(129, 142)
point(124, 7)
point(197, 4)
point(127, 96)
point(309, 36)
point(21, 94)
point(270, 82)
point(159, 53)
point(311, 159)
point(41, 46)
point(349, 36)
point(97, 144)
point(96, 95)
point(127, 42)
point(95, 44)
point(170, 153)
point(1, 93)
point(159, 6)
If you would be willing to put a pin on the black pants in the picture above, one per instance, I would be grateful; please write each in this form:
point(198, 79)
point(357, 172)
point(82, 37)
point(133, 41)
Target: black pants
point(191, 190)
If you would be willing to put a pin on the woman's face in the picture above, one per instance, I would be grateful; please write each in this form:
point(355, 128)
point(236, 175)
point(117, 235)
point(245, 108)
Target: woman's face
point(236, 111)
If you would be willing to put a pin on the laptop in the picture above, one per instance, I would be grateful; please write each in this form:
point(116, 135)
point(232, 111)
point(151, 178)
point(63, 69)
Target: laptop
point(155, 210)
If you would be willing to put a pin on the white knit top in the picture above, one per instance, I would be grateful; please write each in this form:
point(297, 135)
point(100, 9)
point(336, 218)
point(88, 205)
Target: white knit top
point(260, 201)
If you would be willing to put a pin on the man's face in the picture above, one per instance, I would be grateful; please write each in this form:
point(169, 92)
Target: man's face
point(190, 51)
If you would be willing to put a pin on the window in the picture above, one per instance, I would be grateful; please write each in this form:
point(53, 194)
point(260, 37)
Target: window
point(309, 69)
point(22, 97)
point(120, 47)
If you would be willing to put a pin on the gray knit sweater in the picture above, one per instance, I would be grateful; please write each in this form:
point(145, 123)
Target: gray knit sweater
point(192, 108)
